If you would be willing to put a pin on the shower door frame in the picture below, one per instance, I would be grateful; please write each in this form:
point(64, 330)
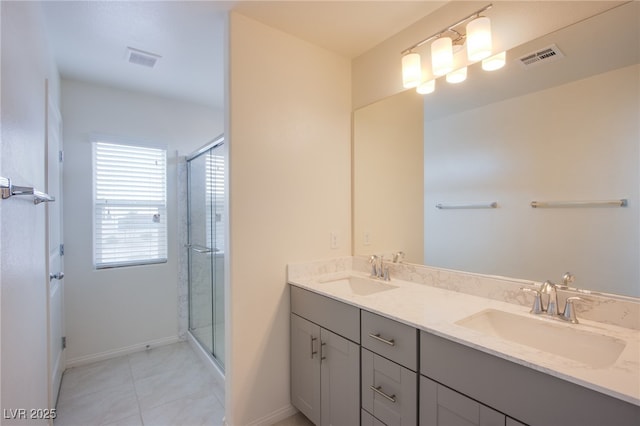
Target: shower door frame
point(208, 148)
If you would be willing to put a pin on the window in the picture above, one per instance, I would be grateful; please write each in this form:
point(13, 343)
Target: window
point(215, 199)
point(130, 205)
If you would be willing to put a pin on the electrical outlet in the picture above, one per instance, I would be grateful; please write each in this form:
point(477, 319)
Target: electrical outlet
point(366, 240)
point(335, 240)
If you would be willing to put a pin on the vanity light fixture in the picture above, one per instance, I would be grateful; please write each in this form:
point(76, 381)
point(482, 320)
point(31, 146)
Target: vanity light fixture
point(411, 70)
point(494, 62)
point(427, 87)
point(478, 41)
point(442, 56)
point(479, 38)
point(457, 76)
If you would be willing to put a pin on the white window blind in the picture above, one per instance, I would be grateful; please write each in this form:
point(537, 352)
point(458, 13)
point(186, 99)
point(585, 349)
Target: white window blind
point(130, 205)
point(215, 199)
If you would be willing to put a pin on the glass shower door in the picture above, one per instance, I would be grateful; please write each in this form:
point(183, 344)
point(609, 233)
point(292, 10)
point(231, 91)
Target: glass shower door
point(206, 250)
point(216, 179)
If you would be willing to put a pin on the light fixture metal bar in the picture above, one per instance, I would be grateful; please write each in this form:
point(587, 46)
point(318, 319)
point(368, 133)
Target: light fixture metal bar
point(450, 27)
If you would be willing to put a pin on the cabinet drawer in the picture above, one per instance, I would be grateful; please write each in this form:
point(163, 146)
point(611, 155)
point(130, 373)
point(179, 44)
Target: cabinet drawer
point(336, 316)
point(391, 339)
point(389, 391)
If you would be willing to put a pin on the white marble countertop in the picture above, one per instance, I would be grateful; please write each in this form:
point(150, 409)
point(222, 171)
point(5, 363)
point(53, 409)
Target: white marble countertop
point(437, 310)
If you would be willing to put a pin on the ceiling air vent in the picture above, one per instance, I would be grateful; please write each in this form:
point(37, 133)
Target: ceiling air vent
point(546, 55)
point(140, 57)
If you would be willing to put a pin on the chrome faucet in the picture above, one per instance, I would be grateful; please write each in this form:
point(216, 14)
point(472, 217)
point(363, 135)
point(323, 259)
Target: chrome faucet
point(537, 301)
point(568, 278)
point(373, 261)
point(378, 270)
point(551, 291)
point(569, 313)
point(398, 257)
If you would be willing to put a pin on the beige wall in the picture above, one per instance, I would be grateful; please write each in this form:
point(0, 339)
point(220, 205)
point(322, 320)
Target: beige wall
point(387, 207)
point(115, 311)
point(26, 63)
point(289, 174)
point(578, 141)
point(377, 73)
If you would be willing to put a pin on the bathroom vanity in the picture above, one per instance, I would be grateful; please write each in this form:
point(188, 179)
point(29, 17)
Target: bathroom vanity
point(408, 352)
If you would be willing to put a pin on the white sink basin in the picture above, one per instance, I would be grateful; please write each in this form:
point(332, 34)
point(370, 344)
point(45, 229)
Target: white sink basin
point(359, 285)
point(565, 340)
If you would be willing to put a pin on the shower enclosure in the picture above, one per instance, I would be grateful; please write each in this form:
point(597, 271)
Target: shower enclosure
point(206, 247)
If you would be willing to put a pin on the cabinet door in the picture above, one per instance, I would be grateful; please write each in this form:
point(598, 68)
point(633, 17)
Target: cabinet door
point(340, 380)
point(389, 391)
point(305, 367)
point(367, 419)
point(441, 406)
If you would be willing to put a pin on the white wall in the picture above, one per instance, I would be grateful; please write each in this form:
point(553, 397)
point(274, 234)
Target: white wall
point(26, 63)
point(112, 311)
point(289, 154)
point(578, 141)
point(388, 177)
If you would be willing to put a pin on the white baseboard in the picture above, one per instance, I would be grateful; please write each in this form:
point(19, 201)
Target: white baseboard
point(87, 359)
point(276, 416)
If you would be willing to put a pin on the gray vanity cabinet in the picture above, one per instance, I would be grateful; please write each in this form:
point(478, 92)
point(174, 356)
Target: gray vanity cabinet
point(441, 406)
point(389, 391)
point(532, 397)
point(325, 366)
point(390, 339)
point(339, 376)
point(367, 419)
point(305, 367)
point(389, 370)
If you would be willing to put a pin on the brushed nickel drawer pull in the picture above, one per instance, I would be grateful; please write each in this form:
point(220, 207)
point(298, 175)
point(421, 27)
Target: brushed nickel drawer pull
point(378, 390)
point(390, 342)
point(322, 355)
point(313, 339)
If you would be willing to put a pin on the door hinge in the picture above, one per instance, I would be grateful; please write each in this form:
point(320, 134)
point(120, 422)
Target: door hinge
point(61, 249)
point(64, 342)
point(61, 156)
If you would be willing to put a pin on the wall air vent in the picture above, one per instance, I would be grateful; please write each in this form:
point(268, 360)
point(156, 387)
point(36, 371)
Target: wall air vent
point(140, 57)
point(545, 55)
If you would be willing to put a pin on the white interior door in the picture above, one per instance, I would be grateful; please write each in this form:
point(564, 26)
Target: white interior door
point(55, 248)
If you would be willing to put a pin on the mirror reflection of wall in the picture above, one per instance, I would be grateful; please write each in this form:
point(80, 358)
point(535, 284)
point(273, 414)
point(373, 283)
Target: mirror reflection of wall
point(388, 200)
point(577, 141)
point(557, 140)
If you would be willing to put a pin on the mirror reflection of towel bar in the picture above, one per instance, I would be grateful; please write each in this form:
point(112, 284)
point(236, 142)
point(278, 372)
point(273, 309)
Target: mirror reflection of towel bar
point(201, 249)
point(492, 205)
point(595, 203)
point(9, 190)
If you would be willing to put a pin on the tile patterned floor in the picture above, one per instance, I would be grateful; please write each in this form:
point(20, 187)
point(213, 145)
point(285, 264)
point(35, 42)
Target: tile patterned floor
point(168, 385)
point(296, 420)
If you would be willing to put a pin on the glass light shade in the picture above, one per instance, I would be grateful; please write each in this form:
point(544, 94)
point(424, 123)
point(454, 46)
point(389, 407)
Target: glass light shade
point(427, 87)
point(457, 76)
point(441, 56)
point(479, 39)
point(411, 70)
point(494, 62)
